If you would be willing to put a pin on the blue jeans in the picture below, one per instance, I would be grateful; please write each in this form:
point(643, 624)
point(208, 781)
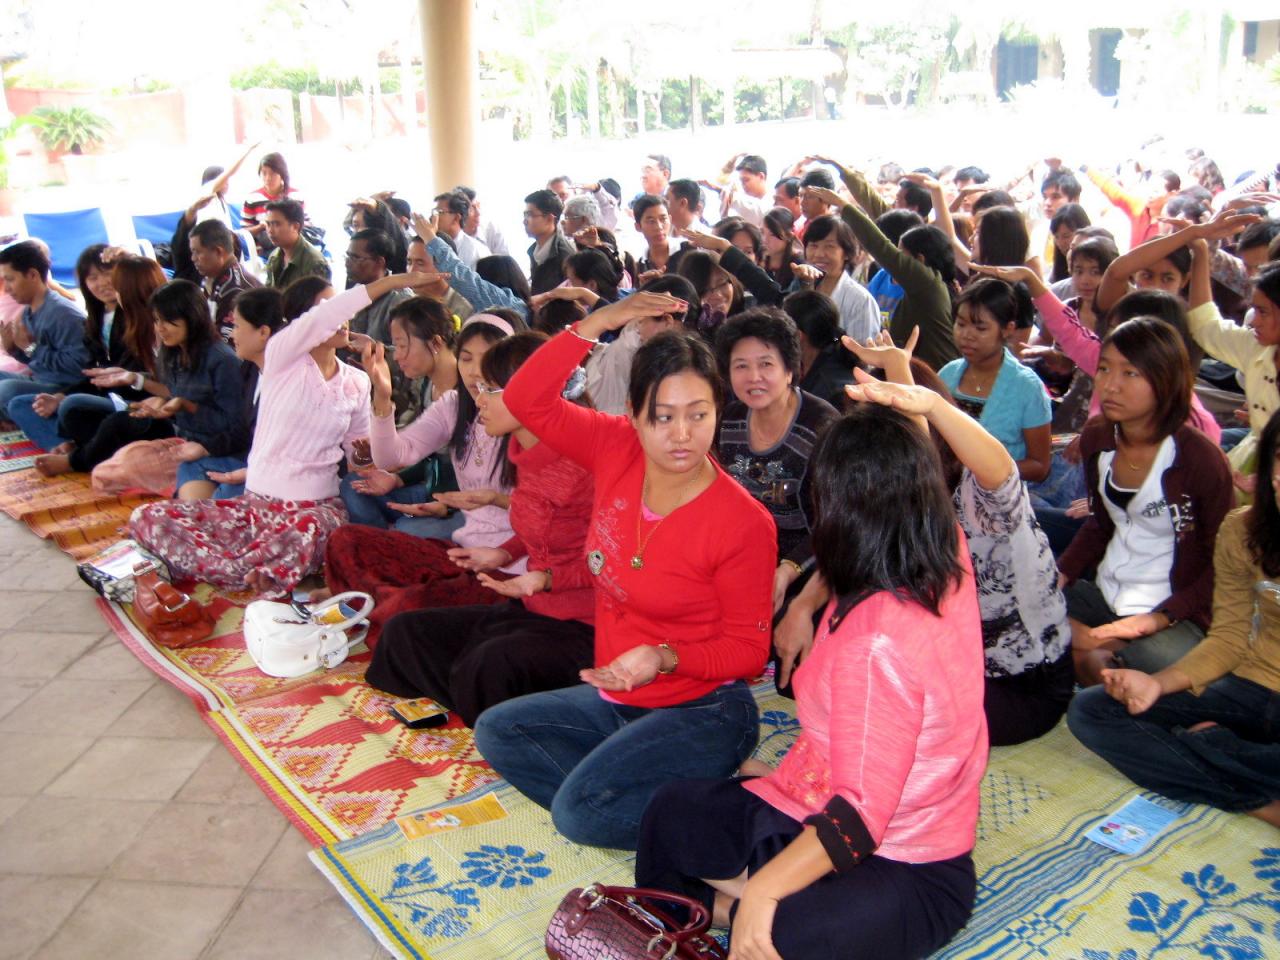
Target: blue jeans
point(45, 432)
point(199, 470)
point(16, 384)
point(595, 764)
point(372, 511)
point(1233, 766)
point(1232, 436)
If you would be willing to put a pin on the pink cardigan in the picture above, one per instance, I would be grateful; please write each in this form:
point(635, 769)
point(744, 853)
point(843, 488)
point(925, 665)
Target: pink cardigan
point(893, 740)
point(1083, 347)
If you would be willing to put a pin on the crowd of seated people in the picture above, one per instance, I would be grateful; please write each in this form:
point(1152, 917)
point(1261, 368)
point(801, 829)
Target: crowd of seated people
point(864, 429)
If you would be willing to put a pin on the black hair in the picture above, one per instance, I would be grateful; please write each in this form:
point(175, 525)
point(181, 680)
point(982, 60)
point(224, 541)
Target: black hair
point(1258, 234)
point(883, 516)
point(645, 202)
point(291, 210)
point(183, 300)
point(1208, 174)
point(1262, 524)
point(686, 190)
point(992, 199)
point(753, 164)
point(1002, 239)
point(894, 223)
point(425, 319)
point(261, 307)
point(504, 358)
point(820, 228)
point(1100, 250)
point(594, 266)
point(400, 207)
point(767, 324)
point(789, 185)
point(972, 174)
point(665, 355)
point(1160, 354)
point(1065, 181)
point(378, 243)
point(1187, 207)
point(383, 219)
point(935, 248)
point(730, 227)
point(300, 296)
point(211, 173)
point(275, 161)
point(815, 315)
point(554, 315)
point(503, 271)
point(699, 268)
point(95, 310)
point(916, 197)
point(1155, 304)
point(455, 202)
point(1172, 182)
point(1007, 303)
point(819, 177)
point(214, 233)
point(460, 439)
point(890, 172)
point(679, 287)
point(544, 201)
point(663, 163)
point(1268, 282)
point(1070, 215)
point(466, 191)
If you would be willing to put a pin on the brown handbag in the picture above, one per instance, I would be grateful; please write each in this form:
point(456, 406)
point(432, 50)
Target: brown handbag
point(622, 923)
point(170, 617)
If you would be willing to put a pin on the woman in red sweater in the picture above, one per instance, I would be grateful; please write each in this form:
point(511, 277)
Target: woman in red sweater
point(682, 558)
point(471, 657)
point(859, 844)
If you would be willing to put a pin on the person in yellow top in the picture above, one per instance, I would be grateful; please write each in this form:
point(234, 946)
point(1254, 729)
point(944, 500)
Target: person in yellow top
point(1207, 728)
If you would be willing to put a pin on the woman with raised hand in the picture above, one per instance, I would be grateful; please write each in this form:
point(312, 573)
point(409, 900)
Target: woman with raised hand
point(312, 409)
point(859, 845)
point(538, 635)
point(1200, 730)
point(682, 560)
point(1158, 489)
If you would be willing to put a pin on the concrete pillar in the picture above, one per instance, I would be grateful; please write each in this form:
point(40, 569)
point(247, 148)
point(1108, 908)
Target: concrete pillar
point(451, 67)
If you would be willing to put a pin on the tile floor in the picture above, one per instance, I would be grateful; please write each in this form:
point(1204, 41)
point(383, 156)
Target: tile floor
point(126, 828)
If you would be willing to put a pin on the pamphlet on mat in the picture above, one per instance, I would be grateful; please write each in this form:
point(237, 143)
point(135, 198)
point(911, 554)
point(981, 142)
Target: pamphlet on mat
point(1133, 827)
point(469, 814)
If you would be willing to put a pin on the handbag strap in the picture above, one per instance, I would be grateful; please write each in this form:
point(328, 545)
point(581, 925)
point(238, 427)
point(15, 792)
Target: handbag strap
point(171, 598)
point(359, 616)
point(699, 918)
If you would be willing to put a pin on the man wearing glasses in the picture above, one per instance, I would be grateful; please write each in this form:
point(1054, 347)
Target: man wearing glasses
point(550, 247)
point(366, 261)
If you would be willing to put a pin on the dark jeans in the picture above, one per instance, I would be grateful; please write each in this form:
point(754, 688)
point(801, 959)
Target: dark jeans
point(1233, 766)
point(595, 764)
point(97, 438)
point(1029, 705)
point(1086, 603)
point(1058, 527)
point(470, 658)
point(880, 910)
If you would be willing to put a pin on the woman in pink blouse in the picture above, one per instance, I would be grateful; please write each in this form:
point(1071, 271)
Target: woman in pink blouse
point(858, 844)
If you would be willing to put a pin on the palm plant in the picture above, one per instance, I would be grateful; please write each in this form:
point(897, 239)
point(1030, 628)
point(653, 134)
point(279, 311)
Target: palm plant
point(71, 128)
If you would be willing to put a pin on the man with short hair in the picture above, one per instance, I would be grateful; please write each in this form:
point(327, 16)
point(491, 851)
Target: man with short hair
point(1058, 189)
point(653, 223)
point(49, 338)
point(550, 247)
point(655, 174)
point(419, 260)
point(213, 251)
point(580, 211)
point(367, 256)
point(486, 231)
point(294, 257)
point(749, 196)
point(912, 196)
point(811, 204)
point(562, 187)
point(684, 205)
point(452, 210)
point(786, 194)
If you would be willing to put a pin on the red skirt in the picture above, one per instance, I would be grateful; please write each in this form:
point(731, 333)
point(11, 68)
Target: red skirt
point(400, 572)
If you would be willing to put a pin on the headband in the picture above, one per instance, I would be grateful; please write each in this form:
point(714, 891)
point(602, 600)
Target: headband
point(492, 320)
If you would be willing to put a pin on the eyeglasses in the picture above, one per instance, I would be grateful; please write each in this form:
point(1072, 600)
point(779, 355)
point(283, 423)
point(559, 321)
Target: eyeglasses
point(530, 214)
point(488, 388)
point(355, 256)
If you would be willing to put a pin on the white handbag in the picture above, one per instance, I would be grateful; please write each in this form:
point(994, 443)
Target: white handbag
point(289, 640)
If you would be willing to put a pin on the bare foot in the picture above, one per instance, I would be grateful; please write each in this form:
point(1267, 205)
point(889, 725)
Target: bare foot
point(52, 464)
point(754, 768)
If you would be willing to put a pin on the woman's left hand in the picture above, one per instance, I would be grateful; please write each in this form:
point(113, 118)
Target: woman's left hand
point(629, 670)
point(156, 408)
point(753, 928)
point(911, 400)
point(881, 351)
point(468, 499)
point(829, 197)
point(704, 240)
point(377, 483)
point(806, 272)
point(525, 585)
point(1130, 628)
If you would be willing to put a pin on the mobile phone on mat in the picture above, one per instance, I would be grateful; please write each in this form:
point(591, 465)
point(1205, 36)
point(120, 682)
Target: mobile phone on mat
point(421, 713)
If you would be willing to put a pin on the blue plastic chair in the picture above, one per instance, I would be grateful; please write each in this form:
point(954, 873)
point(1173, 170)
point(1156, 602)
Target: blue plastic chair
point(67, 234)
point(156, 227)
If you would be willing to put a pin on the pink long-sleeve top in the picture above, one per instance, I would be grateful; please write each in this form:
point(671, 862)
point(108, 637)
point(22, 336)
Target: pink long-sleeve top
point(1082, 347)
point(893, 740)
point(305, 422)
point(393, 449)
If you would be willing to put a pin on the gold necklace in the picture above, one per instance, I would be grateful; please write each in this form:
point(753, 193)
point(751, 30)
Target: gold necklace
point(637, 558)
point(1123, 456)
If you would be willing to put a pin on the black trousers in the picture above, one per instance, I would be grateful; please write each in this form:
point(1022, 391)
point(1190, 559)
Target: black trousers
point(98, 438)
point(880, 910)
point(1028, 705)
point(469, 658)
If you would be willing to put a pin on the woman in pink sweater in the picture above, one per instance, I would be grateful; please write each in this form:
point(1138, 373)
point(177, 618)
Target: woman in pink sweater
point(538, 636)
point(311, 408)
point(858, 844)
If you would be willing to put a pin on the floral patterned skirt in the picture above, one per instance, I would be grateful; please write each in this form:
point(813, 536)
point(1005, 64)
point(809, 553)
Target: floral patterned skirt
point(222, 541)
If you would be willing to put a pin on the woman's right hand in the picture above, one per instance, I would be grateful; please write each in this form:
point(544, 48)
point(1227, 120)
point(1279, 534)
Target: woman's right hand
point(108, 377)
point(881, 351)
point(793, 639)
point(373, 358)
point(1078, 509)
point(806, 272)
point(377, 483)
point(911, 400)
point(1008, 274)
point(479, 558)
point(1138, 691)
point(704, 240)
point(46, 404)
point(429, 509)
point(228, 476)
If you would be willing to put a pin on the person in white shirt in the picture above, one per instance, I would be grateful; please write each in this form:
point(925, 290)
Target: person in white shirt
point(750, 197)
point(451, 213)
point(485, 231)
